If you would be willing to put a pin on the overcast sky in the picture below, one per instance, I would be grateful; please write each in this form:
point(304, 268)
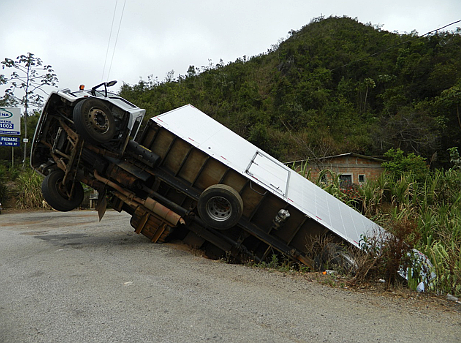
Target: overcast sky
point(155, 37)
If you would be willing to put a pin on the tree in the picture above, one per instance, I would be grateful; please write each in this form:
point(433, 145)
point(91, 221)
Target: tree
point(30, 76)
point(399, 164)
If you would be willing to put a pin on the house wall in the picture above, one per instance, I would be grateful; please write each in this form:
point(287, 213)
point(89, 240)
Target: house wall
point(348, 165)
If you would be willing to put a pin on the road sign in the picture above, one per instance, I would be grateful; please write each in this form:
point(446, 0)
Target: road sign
point(9, 141)
point(10, 121)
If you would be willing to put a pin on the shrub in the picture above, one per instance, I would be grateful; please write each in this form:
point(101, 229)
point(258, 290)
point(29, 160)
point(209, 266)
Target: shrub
point(387, 252)
point(3, 180)
point(3, 191)
point(400, 164)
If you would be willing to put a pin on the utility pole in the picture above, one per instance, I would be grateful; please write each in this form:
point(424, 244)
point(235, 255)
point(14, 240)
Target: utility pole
point(26, 105)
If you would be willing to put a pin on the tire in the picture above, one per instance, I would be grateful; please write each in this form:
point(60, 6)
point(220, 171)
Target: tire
point(57, 195)
point(220, 207)
point(94, 121)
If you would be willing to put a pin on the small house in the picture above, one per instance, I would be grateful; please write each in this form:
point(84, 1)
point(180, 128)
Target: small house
point(352, 168)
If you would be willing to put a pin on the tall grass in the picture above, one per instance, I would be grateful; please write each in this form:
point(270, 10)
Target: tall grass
point(427, 211)
point(446, 258)
point(29, 193)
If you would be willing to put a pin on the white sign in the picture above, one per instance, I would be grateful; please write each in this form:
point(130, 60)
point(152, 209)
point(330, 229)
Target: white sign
point(10, 121)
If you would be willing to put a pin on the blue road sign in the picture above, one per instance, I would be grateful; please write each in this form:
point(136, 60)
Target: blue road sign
point(9, 141)
point(10, 121)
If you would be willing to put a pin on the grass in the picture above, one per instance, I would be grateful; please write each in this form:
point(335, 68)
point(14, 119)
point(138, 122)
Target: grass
point(280, 264)
point(24, 191)
point(29, 194)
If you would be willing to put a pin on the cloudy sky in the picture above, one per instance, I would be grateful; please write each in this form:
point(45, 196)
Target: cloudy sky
point(87, 41)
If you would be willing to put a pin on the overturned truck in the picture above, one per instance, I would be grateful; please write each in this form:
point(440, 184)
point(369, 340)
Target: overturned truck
point(184, 176)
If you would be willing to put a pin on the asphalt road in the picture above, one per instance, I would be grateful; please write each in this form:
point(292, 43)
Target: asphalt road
point(65, 277)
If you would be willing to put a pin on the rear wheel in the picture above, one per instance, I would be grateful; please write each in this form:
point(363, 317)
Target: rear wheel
point(220, 206)
point(94, 121)
point(61, 197)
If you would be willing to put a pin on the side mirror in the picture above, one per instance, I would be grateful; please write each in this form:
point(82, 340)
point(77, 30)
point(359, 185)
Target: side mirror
point(105, 84)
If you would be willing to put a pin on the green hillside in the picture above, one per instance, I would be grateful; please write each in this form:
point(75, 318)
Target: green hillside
point(334, 86)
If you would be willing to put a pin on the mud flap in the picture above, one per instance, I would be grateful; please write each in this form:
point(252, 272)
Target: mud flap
point(151, 226)
point(102, 204)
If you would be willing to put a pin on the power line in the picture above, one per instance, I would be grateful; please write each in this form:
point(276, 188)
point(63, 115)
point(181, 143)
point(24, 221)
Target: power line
point(440, 28)
point(116, 38)
point(108, 42)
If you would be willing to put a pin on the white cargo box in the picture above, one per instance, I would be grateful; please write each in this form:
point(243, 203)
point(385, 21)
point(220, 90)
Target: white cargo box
point(219, 142)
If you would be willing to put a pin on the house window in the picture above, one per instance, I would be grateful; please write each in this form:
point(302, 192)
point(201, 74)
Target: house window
point(361, 178)
point(345, 180)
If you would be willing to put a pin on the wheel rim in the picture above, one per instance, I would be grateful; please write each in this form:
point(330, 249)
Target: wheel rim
point(219, 208)
point(97, 119)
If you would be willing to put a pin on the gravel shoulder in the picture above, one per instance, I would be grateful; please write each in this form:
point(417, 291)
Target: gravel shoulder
point(65, 277)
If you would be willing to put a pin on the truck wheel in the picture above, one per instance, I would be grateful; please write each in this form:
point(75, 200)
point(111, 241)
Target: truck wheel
point(94, 121)
point(58, 195)
point(220, 206)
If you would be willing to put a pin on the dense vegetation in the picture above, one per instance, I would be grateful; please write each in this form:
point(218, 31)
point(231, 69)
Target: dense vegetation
point(422, 208)
point(334, 86)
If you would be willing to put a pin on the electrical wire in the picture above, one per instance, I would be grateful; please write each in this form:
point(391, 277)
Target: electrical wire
point(116, 38)
point(108, 42)
point(440, 28)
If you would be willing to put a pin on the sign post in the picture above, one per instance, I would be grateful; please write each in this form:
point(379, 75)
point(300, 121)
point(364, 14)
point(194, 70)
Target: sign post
point(10, 124)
